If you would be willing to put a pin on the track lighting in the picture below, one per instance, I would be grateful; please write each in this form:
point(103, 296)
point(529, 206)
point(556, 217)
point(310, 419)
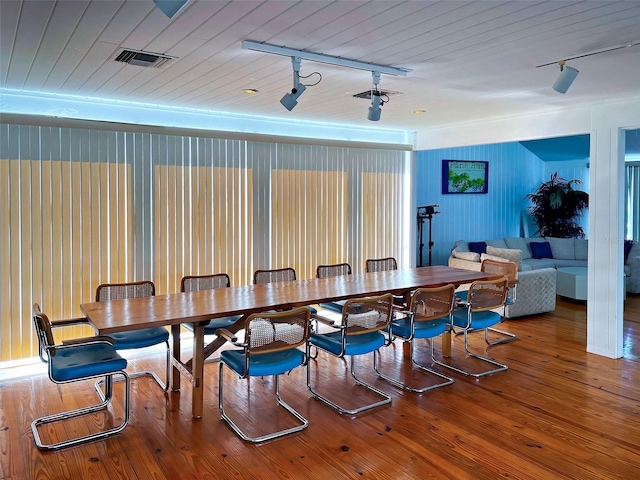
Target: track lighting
point(376, 99)
point(290, 100)
point(565, 79)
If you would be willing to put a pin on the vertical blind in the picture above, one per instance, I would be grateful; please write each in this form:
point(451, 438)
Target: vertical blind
point(80, 207)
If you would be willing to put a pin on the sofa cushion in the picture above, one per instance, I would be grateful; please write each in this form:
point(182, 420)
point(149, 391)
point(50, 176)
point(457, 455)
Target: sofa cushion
point(518, 243)
point(562, 248)
point(511, 254)
point(478, 247)
point(498, 243)
point(461, 246)
point(582, 249)
point(471, 256)
point(536, 264)
point(570, 263)
point(540, 250)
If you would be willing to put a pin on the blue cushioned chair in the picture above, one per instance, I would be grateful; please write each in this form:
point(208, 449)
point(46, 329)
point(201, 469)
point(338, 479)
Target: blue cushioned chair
point(270, 348)
point(195, 283)
point(361, 332)
point(336, 270)
point(384, 265)
point(141, 338)
point(428, 317)
point(74, 361)
point(509, 270)
point(476, 313)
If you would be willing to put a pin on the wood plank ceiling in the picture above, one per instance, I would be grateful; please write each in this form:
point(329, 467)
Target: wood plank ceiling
point(470, 60)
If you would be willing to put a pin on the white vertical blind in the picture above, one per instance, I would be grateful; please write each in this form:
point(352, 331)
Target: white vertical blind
point(81, 207)
point(632, 202)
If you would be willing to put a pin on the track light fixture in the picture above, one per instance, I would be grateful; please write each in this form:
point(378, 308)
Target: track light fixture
point(565, 79)
point(290, 100)
point(377, 100)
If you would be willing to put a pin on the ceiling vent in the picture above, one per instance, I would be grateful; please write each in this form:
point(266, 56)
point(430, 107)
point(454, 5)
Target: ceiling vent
point(143, 59)
point(367, 94)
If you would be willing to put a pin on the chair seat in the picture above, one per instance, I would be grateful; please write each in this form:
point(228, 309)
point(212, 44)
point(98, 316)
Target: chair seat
point(480, 319)
point(266, 364)
point(145, 337)
point(84, 361)
point(356, 344)
point(427, 329)
point(216, 323)
point(333, 306)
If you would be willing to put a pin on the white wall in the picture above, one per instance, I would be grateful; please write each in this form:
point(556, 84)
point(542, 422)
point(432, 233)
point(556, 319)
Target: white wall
point(603, 122)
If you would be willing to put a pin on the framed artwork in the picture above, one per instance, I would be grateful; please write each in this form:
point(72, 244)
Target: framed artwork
point(465, 176)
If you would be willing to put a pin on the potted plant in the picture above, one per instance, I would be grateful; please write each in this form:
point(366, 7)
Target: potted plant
point(557, 206)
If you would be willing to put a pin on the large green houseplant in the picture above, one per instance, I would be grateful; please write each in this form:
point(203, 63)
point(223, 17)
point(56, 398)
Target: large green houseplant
point(557, 206)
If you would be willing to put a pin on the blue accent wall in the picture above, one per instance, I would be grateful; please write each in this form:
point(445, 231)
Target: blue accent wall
point(513, 173)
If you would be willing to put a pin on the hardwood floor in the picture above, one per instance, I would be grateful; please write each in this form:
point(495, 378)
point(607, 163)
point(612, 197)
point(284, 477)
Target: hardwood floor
point(557, 413)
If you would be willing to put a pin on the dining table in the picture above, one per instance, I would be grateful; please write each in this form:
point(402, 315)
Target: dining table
point(198, 307)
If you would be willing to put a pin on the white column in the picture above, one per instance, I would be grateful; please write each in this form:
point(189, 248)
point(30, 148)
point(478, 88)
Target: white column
point(606, 227)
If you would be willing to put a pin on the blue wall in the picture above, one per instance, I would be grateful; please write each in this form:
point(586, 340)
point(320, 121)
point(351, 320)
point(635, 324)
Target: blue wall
point(513, 173)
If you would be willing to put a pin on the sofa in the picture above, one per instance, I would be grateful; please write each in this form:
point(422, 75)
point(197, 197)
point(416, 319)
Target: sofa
point(538, 253)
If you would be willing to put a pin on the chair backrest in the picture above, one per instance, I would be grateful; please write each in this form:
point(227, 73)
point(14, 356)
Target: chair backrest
point(118, 291)
point(273, 276)
point(336, 270)
point(488, 294)
point(365, 315)
point(43, 330)
point(381, 264)
point(193, 283)
point(273, 332)
point(506, 268)
point(433, 302)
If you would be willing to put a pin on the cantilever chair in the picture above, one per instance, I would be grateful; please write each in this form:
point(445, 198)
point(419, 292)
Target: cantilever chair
point(509, 270)
point(476, 313)
point(380, 264)
point(73, 361)
point(270, 348)
point(336, 270)
point(428, 317)
point(364, 321)
point(275, 276)
point(194, 283)
point(384, 265)
point(142, 338)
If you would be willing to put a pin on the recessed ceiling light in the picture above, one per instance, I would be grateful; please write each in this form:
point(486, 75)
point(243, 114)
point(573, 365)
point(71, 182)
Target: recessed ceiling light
point(250, 91)
point(419, 112)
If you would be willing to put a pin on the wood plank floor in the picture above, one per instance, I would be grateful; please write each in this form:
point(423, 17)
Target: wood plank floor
point(557, 413)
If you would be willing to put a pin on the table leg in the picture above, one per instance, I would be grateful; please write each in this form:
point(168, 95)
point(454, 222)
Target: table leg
point(446, 344)
point(197, 370)
point(175, 373)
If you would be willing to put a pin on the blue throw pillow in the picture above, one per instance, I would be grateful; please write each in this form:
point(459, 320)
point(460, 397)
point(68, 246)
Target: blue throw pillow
point(628, 244)
point(478, 247)
point(540, 250)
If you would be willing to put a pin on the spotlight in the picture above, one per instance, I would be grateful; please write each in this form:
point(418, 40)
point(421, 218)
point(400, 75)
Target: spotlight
point(290, 100)
point(374, 109)
point(565, 79)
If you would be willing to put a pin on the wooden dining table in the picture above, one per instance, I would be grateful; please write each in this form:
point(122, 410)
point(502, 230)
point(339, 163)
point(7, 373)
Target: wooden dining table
point(201, 306)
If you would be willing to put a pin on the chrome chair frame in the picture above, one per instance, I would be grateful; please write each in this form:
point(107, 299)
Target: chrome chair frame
point(510, 270)
point(480, 303)
point(431, 308)
point(46, 346)
point(145, 288)
point(351, 329)
point(287, 340)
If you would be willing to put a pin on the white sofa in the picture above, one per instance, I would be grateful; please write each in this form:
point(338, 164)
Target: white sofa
point(565, 252)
